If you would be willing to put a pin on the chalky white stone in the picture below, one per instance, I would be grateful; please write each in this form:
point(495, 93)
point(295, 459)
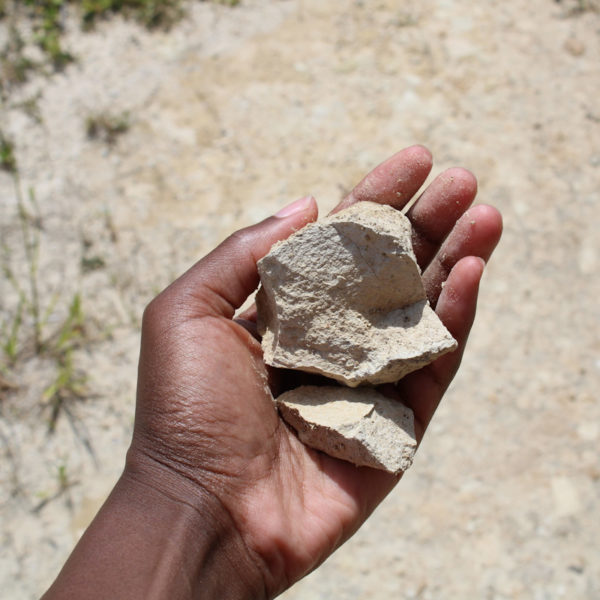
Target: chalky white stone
point(343, 297)
point(358, 425)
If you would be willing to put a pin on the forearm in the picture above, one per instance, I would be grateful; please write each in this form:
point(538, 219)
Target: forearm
point(146, 543)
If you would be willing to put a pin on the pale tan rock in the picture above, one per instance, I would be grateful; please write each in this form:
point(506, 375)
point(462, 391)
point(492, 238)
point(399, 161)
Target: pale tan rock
point(343, 297)
point(358, 425)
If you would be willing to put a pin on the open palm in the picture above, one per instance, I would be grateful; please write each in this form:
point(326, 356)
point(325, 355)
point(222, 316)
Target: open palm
point(205, 409)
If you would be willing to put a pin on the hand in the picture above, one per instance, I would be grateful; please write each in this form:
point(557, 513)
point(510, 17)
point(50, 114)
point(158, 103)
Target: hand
point(207, 436)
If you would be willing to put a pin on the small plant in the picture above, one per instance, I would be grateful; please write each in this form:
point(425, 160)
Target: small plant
point(69, 384)
point(30, 224)
point(106, 127)
point(7, 154)
point(62, 477)
point(151, 13)
point(28, 296)
point(25, 331)
point(10, 345)
point(92, 263)
point(64, 484)
point(45, 20)
point(47, 17)
point(15, 66)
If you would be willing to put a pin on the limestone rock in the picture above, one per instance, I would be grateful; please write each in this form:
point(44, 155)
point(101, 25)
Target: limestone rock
point(343, 297)
point(358, 425)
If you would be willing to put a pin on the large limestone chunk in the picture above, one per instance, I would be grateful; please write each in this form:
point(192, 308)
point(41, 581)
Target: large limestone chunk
point(358, 425)
point(343, 297)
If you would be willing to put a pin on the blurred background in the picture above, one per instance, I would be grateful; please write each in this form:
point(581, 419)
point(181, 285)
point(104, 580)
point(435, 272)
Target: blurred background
point(133, 141)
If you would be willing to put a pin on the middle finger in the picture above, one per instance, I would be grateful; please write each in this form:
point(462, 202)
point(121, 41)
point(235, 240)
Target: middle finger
point(438, 209)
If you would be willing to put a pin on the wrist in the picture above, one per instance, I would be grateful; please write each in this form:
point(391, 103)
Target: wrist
point(200, 542)
point(160, 536)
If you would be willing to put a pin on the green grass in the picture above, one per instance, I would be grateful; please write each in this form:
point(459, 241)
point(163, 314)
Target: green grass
point(10, 332)
point(7, 154)
point(91, 263)
point(106, 127)
point(15, 67)
point(25, 330)
point(150, 13)
point(46, 19)
point(69, 383)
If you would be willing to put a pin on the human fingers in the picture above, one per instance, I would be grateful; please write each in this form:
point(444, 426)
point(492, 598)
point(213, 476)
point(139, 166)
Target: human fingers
point(475, 234)
point(220, 282)
point(438, 209)
point(433, 216)
point(395, 181)
point(422, 390)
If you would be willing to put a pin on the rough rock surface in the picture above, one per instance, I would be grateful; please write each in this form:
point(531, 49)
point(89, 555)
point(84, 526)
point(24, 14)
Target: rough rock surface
point(358, 425)
point(343, 297)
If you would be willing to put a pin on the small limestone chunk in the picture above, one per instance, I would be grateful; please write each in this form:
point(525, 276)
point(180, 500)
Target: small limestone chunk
point(343, 297)
point(358, 425)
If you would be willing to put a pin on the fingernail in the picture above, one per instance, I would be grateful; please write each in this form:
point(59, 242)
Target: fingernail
point(297, 206)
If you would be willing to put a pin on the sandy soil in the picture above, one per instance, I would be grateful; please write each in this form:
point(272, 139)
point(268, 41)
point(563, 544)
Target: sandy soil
point(234, 113)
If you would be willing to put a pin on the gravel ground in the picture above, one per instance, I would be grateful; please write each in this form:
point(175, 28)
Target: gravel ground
point(237, 111)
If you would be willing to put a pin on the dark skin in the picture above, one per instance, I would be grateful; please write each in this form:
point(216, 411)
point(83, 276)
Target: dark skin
point(218, 498)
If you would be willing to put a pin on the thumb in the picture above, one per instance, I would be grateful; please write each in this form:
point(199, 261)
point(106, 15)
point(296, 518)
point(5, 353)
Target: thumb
point(220, 282)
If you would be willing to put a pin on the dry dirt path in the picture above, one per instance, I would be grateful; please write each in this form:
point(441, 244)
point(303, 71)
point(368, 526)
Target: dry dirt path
point(234, 113)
